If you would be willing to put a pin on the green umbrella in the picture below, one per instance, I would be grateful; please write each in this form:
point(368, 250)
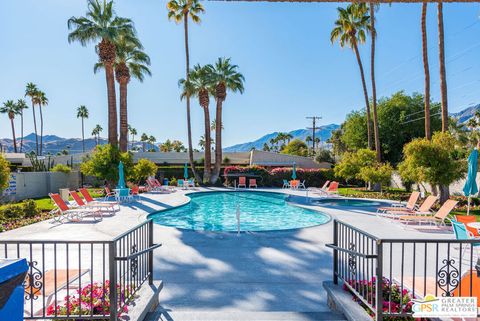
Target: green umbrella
point(185, 171)
point(294, 171)
point(121, 176)
point(470, 187)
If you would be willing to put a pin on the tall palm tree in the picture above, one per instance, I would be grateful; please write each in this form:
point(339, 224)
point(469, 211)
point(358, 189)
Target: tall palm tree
point(350, 30)
point(41, 100)
point(183, 10)
point(199, 86)
point(223, 76)
point(426, 69)
point(96, 132)
point(82, 112)
point(11, 109)
point(134, 133)
point(144, 140)
point(151, 141)
point(21, 104)
point(443, 77)
point(373, 34)
point(31, 91)
point(101, 25)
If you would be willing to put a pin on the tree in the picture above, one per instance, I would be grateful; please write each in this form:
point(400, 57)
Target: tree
point(96, 132)
point(324, 155)
point(144, 140)
point(134, 133)
point(4, 173)
point(31, 91)
point(443, 76)
point(438, 162)
point(21, 104)
point(101, 25)
point(426, 68)
point(373, 33)
point(223, 77)
point(296, 147)
point(350, 30)
point(151, 141)
point(308, 140)
point(82, 112)
point(266, 148)
point(143, 169)
point(183, 10)
point(103, 163)
point(11, 109)
point(41, 100)
point(178, 146)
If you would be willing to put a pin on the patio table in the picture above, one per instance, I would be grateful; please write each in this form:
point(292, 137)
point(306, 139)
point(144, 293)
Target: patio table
point(122, 194)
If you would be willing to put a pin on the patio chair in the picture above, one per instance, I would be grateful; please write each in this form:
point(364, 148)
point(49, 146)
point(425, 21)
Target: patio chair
point(90, 200)
point(424, 209)
point(252, 182)
point(294, 184)
point(134, 193)
point(411, 204)
point(181, 184)
point(438, 219)
point(100, 206)
point(108, 194)
point(461, 233)
point(331, 190)
point(302, 184)
point(465, 219)
point(242, 181)
point(286, 184)
point(74, 214)
point(320, 190)
point(191, 183)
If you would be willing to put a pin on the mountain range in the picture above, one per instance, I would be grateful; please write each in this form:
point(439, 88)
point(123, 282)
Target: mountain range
point(54, 144)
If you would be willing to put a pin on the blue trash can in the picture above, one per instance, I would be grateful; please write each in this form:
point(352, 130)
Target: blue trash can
point(165, 181)
point(12, 276)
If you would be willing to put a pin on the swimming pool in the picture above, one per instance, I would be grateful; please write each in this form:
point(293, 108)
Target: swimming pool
point(350, 202)
point(259, 211)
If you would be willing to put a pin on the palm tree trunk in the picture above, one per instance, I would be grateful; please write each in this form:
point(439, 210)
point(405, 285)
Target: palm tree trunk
point(112, 105)
point(218, 142)
point(189, 124)
point(365, 93)
point(207, 172)
point(427, 71)
point(443, 77)
point(376, 133)
point(41, 129)
point(123, 116)
point(13, 135)
point(83, 137)
point(21, 126)
point(35, 127)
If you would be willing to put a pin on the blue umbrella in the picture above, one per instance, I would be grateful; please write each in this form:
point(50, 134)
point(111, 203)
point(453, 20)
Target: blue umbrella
point(294, 171)
point(470, 187)
point(121, 176)
point(185, 171)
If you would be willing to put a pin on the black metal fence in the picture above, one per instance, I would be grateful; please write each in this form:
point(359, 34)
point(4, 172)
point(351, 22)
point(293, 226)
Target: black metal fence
point(385, 275)
point(84, 280)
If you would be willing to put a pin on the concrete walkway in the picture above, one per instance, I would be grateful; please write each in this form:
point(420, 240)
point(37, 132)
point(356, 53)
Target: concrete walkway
point(211, 272)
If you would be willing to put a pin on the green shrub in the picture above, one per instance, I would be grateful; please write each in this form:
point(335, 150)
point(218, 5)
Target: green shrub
point(173, 182)
point(143, 169)
point(61, 168)
point(4, 173)
point(25, 209)
point(30, 208)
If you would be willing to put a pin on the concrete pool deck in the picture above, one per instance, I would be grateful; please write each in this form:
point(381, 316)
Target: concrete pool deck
point(222, 273)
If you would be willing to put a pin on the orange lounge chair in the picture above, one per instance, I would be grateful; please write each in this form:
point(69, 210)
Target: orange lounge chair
point(242, 181)
point(410, 206)
point(332, 188)
point(438, 219)
point(73, 214)
point(252, 182)
point(465, 219)
point(294, 184)
point(424, 209)
point(91, 201)
point(82, 204)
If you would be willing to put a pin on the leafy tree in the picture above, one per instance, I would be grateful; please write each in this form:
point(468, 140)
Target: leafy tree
point(438, 162)
point(103, 163)
point(61, 168)
point(378, 173)
point(143, 169)
point(296, 147)
point(324, 155)
point(11, 109)
point(4, 173)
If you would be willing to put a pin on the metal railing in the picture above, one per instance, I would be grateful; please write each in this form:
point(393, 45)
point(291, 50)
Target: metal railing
point(385, 275)
point(84, 280)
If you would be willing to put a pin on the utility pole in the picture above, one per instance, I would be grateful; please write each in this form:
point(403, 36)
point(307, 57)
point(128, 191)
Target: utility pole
point(313, 128)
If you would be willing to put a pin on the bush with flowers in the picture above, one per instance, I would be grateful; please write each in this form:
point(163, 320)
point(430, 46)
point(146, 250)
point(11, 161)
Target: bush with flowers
point(91, 299)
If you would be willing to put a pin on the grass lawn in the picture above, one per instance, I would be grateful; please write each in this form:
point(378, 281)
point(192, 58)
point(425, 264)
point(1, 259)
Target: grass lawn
point(472, 212)
point(389, 193)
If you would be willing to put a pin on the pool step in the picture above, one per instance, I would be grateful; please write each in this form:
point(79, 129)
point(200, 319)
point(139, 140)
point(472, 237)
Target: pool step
point(166, 315)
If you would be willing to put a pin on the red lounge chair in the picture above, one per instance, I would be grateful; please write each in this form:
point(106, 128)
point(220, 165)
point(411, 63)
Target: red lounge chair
point(82, 204)
point(242, 181)
point(252, 182)
point(73, 214)
point(91, 201)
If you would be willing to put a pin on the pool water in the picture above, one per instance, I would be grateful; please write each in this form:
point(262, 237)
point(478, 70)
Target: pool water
point(348, 202)
point(259, 211)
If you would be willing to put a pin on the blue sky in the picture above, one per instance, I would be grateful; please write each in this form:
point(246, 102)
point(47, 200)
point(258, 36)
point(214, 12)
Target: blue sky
point(291, 68)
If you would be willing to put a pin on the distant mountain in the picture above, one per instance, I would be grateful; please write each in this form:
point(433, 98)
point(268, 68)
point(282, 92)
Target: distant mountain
point(324, 132)
point(464, 115)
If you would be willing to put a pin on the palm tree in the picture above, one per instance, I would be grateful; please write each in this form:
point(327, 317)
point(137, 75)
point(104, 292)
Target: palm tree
point(443, 77)
point(101, 25)
point(82, 112)
point(151, 141)
point(308, 140)
point(134, 133)
point(21, 104)
point(198, 85)
point(144, 139)
point(31, 91)
point(182, 10)
point(350, 30)
point(223, 77)
point(11, 109)
point(41, 100)
point(426, 69)
point(373, 34)
point(96, 132)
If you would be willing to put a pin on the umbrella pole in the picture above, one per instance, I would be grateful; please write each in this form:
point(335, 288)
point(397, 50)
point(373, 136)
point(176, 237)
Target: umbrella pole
point(468, 205)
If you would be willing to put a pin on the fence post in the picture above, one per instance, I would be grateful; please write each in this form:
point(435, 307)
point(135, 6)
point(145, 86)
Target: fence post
point(150, 253)
point(112, 265)
point(379, 283)
point(335, 252)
